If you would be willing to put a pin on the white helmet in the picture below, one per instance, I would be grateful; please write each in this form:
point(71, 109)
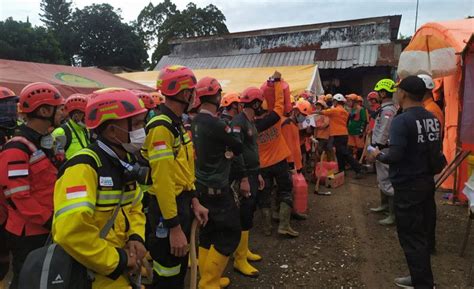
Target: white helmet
point(429, 83)
point(339, 97)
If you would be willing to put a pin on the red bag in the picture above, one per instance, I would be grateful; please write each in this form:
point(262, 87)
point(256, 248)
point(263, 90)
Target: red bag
point(300, 194)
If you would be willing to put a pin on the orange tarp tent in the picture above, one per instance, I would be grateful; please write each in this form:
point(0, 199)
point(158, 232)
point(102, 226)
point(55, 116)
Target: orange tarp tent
point(68, 79)
point(456, 33)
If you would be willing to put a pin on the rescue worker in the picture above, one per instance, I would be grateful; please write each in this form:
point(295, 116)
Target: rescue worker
point(322, 131)
point(159, 99)
point(273, 152)
point(328, 99)
point(169, 150)
point(28, 174)
point(356, 126)
point(289, 127)
point(94, 182)
point(374, 106)
point(8, 123)
point(380, 139)
point(73, 135)
point(215, 147)
point(428, 102)
point(338, 118)
point(149, 101)
point(229, 106)
point(414, 156)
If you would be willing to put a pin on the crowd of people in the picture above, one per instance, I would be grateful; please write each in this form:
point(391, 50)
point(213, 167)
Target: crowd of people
point(117, 177)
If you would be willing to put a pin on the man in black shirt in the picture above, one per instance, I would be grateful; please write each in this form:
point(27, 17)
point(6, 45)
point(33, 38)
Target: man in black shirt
point(415, 141)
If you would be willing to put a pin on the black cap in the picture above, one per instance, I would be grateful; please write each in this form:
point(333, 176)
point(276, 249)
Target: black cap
point(414, 85)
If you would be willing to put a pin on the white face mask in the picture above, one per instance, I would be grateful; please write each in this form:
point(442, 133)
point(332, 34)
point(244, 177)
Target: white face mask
point(81, 124)
point(47, 141)
point(137, 139)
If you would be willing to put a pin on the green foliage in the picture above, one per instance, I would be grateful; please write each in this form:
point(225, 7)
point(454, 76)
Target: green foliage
point(104, 40)
point(21, 41)
point(163, 22)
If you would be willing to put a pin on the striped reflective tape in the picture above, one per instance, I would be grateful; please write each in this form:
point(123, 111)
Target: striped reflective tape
point(168, 154)
point(14, 190)
point(18, 173)
point(87, 205)
point(166, 271)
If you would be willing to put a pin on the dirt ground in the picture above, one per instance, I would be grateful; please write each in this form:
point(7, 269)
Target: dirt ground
point(342, 246)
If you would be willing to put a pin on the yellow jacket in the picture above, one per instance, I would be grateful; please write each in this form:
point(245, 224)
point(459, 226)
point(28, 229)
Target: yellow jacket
point(170, 153)
point(75, 137)
point(87, 191)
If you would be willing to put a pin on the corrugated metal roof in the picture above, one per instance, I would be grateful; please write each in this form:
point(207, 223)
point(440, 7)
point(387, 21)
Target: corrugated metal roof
point(351, 57)
point(240, 61)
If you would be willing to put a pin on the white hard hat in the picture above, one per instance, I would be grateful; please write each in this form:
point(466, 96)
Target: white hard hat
point(429, 83)
point(339, 97)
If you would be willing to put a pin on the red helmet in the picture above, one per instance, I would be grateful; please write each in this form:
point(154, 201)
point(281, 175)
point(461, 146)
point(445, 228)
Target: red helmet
point(250, 94)
point(373, 95)
point(158, 98)
point(351, 96)
point(146, 98)
point(207, 86)
point(359, 98)
point(112, 105)
point(75, 102)
point(304, 106)
point(175, 78)
point(229, 98)
point(37, 94)
point(6, 93)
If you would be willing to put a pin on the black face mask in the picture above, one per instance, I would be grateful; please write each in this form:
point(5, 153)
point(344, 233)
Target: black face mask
point(259, 111)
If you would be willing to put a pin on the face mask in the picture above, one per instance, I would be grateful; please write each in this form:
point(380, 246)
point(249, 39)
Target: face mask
point(47, 141)
point(137, 139)
point(81, 124)
point(300, 118)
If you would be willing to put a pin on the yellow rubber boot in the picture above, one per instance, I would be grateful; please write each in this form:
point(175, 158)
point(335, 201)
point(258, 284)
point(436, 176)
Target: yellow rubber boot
point(224, 281)
point(212, 270)
point(252, 256)
point(241, 263)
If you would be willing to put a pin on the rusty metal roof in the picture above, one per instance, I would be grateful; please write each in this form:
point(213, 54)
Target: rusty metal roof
point(347, 57)
point(240, 61)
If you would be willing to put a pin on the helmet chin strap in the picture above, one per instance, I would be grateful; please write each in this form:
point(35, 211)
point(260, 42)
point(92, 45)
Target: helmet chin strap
point(47, 118)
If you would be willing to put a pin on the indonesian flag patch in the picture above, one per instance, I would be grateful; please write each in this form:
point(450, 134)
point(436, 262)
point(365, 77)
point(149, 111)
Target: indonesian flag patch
point(17, 170)
point(159, 145)
point(76, 192)
point(236, 129)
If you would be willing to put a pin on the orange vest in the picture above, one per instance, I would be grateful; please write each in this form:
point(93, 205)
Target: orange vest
point(433, 107)
point(291, 133)
point(338, 117)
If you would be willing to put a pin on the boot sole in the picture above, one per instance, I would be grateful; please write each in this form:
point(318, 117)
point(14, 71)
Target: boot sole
point(288, 235)
point(245, 275)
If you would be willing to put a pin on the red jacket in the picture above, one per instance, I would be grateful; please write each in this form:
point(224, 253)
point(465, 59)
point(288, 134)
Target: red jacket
point(27, 176)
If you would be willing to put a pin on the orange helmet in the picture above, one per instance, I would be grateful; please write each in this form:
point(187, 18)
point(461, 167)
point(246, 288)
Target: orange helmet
point(229, 98)
point(112, 105)
point(146, 98)
point(37, 94)
point(207, 86)
point(75, 102)
point(250, 94)
point(351, 96)
point(158, 98)
point(6, 93)
point(359, 99)
point(328, 97)
point(174, 79)
point(304, 107)
point(372, 95)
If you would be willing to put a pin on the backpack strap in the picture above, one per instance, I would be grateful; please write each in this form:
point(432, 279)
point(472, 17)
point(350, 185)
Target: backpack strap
point(67, 132)
point(23, 140)
point(163, 120)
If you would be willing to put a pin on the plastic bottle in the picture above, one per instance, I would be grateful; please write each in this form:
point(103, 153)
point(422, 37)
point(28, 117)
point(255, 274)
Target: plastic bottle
point(161, 230)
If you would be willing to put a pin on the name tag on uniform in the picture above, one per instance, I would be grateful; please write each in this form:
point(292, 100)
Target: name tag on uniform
point(106, 181)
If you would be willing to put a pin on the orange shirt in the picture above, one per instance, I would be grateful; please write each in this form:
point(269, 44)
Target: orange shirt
point(272, 147)
point(290, 132)
point(322, 126)
point(338, 117)
point(433, 107)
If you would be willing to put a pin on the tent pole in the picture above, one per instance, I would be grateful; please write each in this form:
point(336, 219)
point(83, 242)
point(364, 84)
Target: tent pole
point(416, 17)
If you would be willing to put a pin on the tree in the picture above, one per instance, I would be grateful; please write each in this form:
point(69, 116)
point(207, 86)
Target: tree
point(21, 41)
point(104, 40)
point(159, 24)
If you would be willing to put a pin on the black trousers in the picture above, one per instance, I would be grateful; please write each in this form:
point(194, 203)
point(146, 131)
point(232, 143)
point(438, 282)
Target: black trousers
point(414, 211)
point(4, 253)
point(223, 228)
point(20, 247)
point(280, 174)
point(249, 205)
point(344, 155)
point(169, 270)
